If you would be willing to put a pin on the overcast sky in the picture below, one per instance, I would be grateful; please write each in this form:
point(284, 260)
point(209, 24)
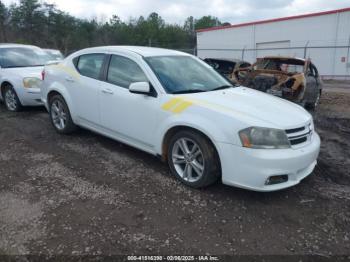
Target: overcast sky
point(176, 11)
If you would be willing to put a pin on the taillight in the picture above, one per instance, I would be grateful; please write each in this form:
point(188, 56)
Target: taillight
point(43, 75)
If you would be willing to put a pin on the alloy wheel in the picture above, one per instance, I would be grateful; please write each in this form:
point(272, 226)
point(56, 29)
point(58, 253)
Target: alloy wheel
point(58, 114)
point(188, 160)
point(10, 100)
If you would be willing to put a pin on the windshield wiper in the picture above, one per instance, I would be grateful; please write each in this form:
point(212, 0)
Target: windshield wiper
point(221, 87)
point(189, 91)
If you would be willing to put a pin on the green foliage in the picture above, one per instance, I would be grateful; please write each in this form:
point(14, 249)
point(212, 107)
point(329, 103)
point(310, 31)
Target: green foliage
point(206, 22)
point(42, 24)
point(3, 22)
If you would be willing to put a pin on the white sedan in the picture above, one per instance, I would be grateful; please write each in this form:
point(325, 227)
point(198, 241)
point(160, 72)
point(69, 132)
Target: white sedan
point(175, 106)
point(20, 75)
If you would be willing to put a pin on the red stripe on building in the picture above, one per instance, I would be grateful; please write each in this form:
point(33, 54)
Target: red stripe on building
point(275, 20)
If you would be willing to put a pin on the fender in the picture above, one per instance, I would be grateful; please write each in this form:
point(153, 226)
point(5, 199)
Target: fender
point(194, 121)
point(2, 81)
point(12, 83)
point(62, 90)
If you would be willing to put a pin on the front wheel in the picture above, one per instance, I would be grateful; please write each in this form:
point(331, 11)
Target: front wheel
point(315, 103)
point(11, 99)
point(193, 159)
point(60, 115)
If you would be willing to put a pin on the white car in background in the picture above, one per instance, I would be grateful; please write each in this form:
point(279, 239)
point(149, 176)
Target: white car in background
point(175, 106)
point(55, 55)
point(21, 67)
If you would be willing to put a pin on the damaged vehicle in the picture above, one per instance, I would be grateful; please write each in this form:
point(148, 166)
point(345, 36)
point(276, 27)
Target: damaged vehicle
point(294, 79)
point(226, 66)
point(177, 107)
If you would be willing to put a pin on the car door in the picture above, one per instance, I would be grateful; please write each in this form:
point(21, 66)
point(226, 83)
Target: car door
point(312, 88)
point(85, 91)
point(128, 116)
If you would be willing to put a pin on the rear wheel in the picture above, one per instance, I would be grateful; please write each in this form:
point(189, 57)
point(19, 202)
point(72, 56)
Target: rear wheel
point(60, 115)
point(11, 100)
point(193, 159)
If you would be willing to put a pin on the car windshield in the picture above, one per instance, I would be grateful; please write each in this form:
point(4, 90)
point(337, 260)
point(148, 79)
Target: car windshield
point(185, 74)
point(22, 57)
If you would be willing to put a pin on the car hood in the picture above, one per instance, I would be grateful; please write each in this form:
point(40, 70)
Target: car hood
point(25, 71)
point(250, 105)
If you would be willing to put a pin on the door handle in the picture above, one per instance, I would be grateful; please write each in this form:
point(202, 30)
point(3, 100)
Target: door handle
point(69, 79)
point(107, 91)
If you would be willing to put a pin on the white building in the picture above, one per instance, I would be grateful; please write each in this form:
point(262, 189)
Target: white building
point(324, 37)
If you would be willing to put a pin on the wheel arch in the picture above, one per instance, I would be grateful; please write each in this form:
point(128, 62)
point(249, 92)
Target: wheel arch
point(58, 90)
point(174, 129)
point(3, 85)
point(51, 94)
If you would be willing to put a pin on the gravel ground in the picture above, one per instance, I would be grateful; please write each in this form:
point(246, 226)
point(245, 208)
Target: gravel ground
point(85, 195)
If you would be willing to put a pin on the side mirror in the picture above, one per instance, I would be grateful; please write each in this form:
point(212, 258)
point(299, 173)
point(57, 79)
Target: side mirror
point(140, 88)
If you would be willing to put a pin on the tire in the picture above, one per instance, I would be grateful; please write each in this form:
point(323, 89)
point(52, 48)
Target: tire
point(11, 100)
point(313, 106)
point(202, 164)
point(60, 115)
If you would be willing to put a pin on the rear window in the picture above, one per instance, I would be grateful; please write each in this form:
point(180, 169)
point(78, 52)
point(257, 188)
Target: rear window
point(22, 57)
point(90, 65)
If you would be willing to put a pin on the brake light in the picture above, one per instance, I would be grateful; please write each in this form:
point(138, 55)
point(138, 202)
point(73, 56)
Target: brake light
point(43, 75)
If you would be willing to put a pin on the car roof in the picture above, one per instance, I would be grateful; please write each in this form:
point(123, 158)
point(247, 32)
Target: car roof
point(7, 45)
point(141, 50)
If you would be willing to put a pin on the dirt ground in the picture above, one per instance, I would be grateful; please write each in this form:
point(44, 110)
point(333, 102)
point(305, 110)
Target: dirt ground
point(86, 194)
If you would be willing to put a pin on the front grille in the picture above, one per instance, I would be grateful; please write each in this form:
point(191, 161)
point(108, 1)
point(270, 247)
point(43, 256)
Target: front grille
point(298, 141)
point(299, 135)
point(295, 130)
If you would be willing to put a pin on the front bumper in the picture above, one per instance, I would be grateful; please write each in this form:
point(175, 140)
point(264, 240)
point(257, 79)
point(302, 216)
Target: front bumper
point(29, 96)
point(250, 168)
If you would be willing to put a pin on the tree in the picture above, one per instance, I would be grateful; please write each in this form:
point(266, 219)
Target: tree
point(28, 19)
point(206, 22)
point(3, 22)
point(43, 24)
point(189, 25)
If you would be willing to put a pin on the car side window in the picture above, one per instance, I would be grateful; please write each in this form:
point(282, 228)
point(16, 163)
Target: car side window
point(310, 72)
point(123, 71)
point(313, 70)
point(90, 65)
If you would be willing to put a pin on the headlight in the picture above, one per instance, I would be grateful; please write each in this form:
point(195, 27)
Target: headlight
point(31, 82)
point(264, 138)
